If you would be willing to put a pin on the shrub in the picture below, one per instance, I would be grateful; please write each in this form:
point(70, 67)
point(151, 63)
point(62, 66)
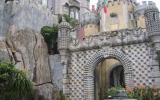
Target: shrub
point(112, 92)
point(14, 84)
point(113, 15)
point(143, 93)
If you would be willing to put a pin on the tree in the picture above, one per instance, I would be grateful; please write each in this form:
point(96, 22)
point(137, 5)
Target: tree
point(14, 84)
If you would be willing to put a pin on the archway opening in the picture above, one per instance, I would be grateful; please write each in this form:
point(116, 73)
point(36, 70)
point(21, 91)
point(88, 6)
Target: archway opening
point(108, 73)
point(116, 77)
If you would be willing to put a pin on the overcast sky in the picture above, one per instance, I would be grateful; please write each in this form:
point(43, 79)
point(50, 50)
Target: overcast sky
point(156, 1)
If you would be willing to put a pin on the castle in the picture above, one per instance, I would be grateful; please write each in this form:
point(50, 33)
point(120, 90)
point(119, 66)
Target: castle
point(115, 47)
point(119, 48)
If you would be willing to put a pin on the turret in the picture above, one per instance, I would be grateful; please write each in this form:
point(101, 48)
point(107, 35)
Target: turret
point(63, 47)
point(152, 21)
point(63, 38)
point(119, 14)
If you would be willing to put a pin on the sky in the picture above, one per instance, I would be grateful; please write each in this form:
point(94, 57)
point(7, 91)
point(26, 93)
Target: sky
point(156, 1)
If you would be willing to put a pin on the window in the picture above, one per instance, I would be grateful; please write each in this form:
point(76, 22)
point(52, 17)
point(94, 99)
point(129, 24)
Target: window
point(77, 15)
point(72, 14)
point(154, 17)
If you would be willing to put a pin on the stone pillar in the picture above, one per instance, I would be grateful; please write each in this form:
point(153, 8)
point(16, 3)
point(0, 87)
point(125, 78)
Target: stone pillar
point(63, 47)
point(152, 21)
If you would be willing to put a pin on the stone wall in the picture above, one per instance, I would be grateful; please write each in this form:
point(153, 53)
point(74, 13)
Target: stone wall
point(57, 71)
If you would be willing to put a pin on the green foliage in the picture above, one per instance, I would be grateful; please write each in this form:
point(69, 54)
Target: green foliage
point(144, 94)
point(139, 93)
point(14, 84)
point(68, 19)
point(61, 96)
point(112, 92)
point(113, 15)
point(50, 35)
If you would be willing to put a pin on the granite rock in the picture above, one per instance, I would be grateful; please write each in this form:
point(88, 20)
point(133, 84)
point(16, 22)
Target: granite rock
point(29, 52)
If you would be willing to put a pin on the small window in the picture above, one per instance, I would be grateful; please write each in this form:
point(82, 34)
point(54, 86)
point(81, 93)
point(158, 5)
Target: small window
point(154, 17)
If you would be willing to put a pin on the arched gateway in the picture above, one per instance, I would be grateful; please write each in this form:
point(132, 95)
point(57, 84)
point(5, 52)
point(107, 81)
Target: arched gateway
point(98, 57)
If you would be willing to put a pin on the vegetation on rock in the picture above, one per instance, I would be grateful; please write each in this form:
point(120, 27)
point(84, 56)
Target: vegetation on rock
point(50, 35)
point(14, 84)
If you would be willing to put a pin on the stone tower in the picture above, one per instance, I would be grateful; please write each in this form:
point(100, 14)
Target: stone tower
point(152, 21)
point(63, 47)
point(119, 15)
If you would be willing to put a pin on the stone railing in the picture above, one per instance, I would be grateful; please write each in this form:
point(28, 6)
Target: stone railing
point(114, 38)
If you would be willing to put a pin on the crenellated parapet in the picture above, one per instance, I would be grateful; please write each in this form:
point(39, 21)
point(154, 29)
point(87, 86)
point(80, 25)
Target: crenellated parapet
point(115, 2)
point(114, 38)
point(140, 8)
point(89, 18)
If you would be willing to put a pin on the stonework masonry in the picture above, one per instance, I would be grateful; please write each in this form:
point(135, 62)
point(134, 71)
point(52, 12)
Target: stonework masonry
point(135, 48)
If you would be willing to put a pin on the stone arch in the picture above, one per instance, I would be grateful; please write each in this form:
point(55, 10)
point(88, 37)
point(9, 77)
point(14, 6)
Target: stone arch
point(97, 58)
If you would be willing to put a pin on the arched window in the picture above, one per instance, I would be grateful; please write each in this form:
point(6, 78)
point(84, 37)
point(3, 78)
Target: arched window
point(154, 16)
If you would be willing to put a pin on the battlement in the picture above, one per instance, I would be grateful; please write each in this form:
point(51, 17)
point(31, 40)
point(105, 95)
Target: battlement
point(116, 2)
point(89, 18)
point(141, 7)
point(113, 38)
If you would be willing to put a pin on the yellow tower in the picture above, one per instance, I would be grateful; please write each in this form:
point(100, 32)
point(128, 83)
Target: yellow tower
point(89, 23)
point(139, 14)
point(119, 15)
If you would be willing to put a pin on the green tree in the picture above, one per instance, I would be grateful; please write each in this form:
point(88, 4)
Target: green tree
point(14, 84)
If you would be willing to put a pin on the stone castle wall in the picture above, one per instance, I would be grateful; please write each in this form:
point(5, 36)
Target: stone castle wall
point(131, 47)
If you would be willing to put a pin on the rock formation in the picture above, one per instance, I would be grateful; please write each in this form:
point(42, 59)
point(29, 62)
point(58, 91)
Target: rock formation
point(27, 49)
point(22, 43)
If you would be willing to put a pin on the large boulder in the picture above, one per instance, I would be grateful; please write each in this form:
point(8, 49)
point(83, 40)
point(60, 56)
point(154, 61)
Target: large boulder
point(29, 53)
